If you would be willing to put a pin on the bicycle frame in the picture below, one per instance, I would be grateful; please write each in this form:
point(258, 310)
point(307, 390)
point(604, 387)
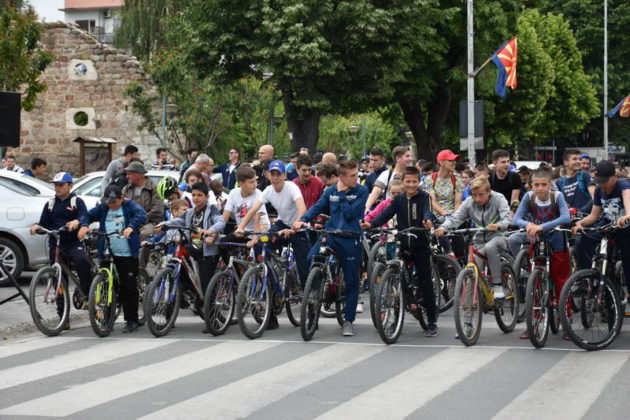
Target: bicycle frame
point(479, 274)
point(266, 257)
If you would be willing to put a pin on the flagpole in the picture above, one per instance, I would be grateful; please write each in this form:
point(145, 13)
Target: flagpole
point(606, 79)
point(471, 86)
point(485, 63)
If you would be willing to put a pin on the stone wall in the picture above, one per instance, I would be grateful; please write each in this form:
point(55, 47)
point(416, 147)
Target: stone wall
point(85, 76)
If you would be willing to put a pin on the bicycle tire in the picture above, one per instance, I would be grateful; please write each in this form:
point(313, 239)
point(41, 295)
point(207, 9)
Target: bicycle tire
point(610, 311)
point(252, 289)
point(390, 305)
point(554, 319)
point(537, 314)
point(506, 310)
point(101, 311)
point(312, 303)
point(522, 270)
point(377, 273)
point(448, 269)
point(372, 258)
point(44, 313)
point(292, 297)
point(159, 303)
point(467, 298)
point(143, 284)
point(437, 285)
point(219, 302)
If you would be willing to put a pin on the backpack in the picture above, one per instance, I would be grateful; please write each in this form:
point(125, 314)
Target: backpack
point(581, 184)
point(532, 205)
point(73, 203)
point(434, 176)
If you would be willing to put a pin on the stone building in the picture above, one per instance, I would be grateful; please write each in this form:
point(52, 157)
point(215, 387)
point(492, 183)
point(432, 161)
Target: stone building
point(85, 98)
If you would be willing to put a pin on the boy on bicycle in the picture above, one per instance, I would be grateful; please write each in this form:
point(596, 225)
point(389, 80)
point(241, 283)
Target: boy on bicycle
point(345, 203)
point(541, 211)
point(65, 210)
point(413, 209)
point(127, 217)
point(490, 210)
point(612, 201)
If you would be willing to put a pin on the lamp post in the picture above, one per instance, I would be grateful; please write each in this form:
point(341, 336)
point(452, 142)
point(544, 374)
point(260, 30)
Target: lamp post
point(471, 84)
point(606, 79)
point(354, 130)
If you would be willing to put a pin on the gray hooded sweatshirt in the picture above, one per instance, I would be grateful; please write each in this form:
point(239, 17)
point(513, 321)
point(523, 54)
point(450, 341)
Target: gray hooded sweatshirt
point(496, 210)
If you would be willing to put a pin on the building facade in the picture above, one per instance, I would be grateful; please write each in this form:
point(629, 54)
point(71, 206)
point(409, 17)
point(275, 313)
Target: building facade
point(99, 18)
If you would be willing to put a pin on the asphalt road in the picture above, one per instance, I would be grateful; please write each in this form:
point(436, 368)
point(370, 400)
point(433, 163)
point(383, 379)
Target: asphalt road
point(191, 375)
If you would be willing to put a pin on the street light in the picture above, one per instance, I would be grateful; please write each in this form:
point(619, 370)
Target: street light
point(354, 130)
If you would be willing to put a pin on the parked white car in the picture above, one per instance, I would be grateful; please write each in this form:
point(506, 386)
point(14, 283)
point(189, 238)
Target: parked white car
point(22, 201)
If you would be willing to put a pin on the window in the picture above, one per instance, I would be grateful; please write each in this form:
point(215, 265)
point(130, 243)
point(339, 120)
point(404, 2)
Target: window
point(91, 188)
point(87, 25)
point(18, 187)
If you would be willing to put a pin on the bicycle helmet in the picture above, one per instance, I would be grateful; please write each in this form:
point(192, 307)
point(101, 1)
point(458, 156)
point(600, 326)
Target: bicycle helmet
point(166, 187)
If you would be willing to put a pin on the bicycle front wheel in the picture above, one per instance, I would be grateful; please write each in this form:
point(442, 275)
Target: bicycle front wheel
point(447, 270)
point(253, 303)
point(506, 310)
point(49, 301)
point(537, 314)
point(162, 303)
point(102, 305)
point(377, 274)
point(597, 321)
point(143, 285)
point(293, 297)
point(467, 307)
point(521, 269)
point(312, 302)
point(390, 306)
point(219, 302)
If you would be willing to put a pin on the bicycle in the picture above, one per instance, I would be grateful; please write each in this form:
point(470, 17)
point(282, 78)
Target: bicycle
point(541, 310)
point(446, 270)
point(591, 299)
point(273, 277)
point(475, 296)
point(49, 295)
point(324, 286)
point(164, 294)
point(396, 293)
point(220, 298)
point(103, 304)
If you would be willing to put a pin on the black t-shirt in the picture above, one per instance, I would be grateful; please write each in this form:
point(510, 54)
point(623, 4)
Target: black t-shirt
point(506, 185)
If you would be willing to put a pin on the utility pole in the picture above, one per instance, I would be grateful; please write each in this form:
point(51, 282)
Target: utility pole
point(606, 79)
point(471, 85)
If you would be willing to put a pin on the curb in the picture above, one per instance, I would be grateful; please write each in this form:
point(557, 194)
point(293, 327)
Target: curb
point(23, 329)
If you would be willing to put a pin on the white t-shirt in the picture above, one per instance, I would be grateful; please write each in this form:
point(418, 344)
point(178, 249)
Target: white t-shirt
point(384, 179)
point(239, 206)
point(283, 201)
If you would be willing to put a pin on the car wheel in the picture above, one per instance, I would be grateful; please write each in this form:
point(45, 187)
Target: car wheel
point(13, 258)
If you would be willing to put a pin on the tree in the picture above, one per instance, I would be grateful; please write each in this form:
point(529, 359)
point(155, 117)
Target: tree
point(325, 56)
point(22, 59)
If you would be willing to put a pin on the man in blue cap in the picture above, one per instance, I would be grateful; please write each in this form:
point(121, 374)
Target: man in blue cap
point(65, 210)
point(585, 160)
point(287, 199)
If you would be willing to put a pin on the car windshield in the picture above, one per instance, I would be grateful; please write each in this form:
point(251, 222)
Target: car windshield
point(43, 183)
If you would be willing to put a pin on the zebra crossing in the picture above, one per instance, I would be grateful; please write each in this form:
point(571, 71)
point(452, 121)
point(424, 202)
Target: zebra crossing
point(187, 375)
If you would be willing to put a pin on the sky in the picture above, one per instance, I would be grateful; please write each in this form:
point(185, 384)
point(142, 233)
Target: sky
point(48, 9)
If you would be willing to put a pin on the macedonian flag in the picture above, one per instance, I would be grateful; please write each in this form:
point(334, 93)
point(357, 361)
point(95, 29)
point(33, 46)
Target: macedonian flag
point(505, 58)
point(622, 107)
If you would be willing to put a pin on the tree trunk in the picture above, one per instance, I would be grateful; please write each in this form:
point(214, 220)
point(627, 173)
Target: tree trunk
point(303, 124)
point(428, 136)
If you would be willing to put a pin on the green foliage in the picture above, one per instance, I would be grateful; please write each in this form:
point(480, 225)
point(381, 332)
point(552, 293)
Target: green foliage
point(22, 60)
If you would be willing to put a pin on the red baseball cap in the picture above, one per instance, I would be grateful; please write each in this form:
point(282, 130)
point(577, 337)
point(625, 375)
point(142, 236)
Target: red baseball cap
point(446, 155)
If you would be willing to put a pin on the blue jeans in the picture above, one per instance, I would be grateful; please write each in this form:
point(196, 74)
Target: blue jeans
point(349, 254)
point(301, 246)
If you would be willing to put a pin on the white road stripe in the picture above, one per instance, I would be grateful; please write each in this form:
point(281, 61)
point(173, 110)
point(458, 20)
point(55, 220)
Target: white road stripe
point(21, 347)
point(82, 397)
point(278, 381)
point(65, 362)
point(400, 396)
point(568, 389)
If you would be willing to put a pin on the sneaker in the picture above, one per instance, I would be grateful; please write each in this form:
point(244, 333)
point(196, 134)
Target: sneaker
point(347, 330)
point(499, 294)
point(565, 336)
point(524, 335)
point(85, 306)
point(432, 331)
point(360, 308)
point(130, 326)
point(273, 324)
point(468, 329)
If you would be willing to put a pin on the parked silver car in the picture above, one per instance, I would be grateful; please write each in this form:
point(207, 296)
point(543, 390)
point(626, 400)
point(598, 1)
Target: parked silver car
point(22, 199)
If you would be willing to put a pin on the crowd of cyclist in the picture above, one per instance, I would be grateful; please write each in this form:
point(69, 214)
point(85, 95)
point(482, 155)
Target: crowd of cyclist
point(270, 195)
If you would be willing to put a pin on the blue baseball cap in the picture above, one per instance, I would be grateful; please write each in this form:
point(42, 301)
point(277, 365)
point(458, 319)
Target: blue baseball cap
point(277, 165)
point(62, 177)
point(584, 155)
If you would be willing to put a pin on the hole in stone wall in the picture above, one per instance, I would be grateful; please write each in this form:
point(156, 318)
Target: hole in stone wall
point(80, 69)
point(81, 119)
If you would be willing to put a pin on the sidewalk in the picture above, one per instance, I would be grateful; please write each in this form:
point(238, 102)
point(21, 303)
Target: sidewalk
point(15, 316)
